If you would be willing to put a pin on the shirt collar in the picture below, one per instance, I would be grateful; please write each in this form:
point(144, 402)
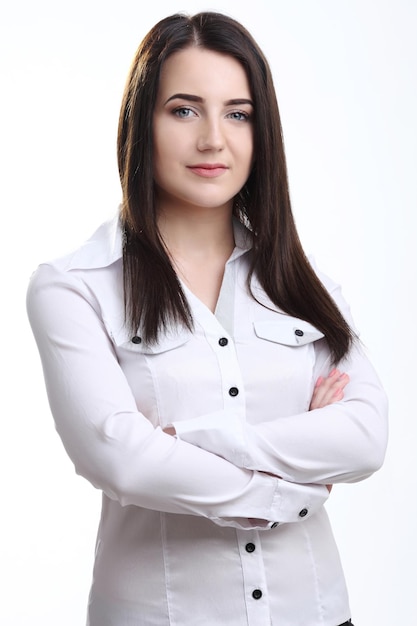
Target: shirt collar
point(243, 239)
point(105, 246)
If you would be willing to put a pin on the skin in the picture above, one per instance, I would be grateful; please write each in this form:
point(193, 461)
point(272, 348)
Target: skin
point(329, 390)
point(203, 154)
point(202, 118)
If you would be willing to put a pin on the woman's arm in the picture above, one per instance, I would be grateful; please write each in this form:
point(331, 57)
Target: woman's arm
point(114, 446)
point(342, 440)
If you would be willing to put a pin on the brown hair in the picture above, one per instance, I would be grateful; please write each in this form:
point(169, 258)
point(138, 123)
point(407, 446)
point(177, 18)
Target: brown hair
point(153, 294)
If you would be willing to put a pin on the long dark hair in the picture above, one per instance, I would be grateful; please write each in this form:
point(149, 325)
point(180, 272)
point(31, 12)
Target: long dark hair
point(153, 294)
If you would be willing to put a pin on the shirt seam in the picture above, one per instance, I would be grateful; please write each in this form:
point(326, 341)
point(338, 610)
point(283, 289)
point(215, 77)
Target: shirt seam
point(162, 517)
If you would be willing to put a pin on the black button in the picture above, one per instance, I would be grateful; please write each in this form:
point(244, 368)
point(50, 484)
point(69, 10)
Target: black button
point(299, 332)
point(233, 391)
point(275, 524)
point(250, 547)
point(223, 342)
point(136, 339)
point(303, 512)
point(257, 594)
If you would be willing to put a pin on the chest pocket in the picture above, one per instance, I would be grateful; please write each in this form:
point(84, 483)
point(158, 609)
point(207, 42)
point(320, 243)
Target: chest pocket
point(287, 331)
point(283, 367)
point(170, 340)
point(148, 368)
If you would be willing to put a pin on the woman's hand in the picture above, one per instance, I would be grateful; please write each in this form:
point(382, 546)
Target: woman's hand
point(328, 390)
point(170, 430)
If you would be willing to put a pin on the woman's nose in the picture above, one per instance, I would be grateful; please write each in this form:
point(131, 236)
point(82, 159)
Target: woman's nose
point(211, 136)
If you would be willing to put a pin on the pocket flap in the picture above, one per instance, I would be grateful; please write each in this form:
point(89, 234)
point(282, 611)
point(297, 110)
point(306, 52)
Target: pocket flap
point(289, 331)
point(168, 340)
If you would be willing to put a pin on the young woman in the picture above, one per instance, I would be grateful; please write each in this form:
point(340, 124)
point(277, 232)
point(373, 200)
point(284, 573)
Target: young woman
point(201, 373)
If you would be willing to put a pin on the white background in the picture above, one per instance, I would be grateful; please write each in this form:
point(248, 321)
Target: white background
point(345, 73)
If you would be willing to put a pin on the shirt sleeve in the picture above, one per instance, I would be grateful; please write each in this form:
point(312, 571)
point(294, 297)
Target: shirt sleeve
point(115, 446)
point(343, 442)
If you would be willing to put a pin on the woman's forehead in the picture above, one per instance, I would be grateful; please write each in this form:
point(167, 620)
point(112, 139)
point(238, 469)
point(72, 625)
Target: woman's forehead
point(197, 69)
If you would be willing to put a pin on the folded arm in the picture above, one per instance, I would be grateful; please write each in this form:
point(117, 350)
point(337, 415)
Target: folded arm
point(115, 446)
point(341, 438)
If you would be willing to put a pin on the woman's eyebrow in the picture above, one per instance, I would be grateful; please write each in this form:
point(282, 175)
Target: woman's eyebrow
point(191, 98)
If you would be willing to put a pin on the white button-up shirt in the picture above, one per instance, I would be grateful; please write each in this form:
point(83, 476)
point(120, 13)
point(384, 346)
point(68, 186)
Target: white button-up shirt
point(192, 531)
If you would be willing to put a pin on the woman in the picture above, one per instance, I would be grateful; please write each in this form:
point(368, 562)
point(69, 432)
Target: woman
point(200, 372)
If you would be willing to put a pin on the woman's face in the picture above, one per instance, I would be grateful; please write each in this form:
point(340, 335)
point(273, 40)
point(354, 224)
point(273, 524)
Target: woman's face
point(202, 131)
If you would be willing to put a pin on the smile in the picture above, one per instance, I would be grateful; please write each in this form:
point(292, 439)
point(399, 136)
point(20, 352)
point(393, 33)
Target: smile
point(208, 170)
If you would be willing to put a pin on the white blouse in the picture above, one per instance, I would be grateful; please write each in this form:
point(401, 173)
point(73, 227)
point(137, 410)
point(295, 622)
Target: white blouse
point(192, 532)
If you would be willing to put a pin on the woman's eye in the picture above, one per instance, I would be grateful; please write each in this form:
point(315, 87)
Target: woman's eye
point(183, 112)
point(239, 116)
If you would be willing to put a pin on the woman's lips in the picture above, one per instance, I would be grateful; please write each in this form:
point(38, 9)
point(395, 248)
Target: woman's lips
point(208, 170)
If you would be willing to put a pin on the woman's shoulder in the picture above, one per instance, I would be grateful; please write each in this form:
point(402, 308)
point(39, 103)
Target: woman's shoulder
point(102, 249)
point(79, 270)
point(334, 289)
point(328, 283)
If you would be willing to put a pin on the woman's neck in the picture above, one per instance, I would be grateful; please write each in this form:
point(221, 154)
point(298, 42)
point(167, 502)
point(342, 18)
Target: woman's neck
point(198, 233)
point(199, 244)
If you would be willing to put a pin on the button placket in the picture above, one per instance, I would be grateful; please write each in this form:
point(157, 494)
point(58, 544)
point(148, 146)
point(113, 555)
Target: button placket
point(233, 391)
point(254, 579)
point(220, 339)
